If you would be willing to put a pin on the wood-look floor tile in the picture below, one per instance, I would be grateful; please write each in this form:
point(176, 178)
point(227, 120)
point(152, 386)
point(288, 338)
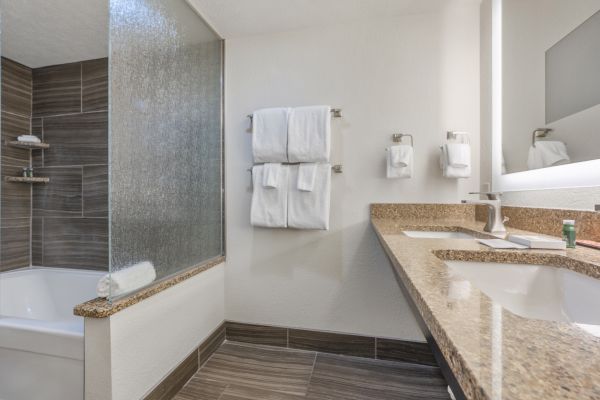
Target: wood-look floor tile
point(176, 380)
point(405, 351)
point(272, 369)
point(350, 378)
point(236, 392)
point(201, 389)
point(329, 342)
point(210, 345)
point(257, 334)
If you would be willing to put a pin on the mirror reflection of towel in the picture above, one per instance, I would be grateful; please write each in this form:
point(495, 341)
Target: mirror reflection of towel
point(547, 154)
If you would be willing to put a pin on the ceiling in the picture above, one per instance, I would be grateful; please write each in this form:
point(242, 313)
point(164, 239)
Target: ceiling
point(38, 33)
point(237, 18)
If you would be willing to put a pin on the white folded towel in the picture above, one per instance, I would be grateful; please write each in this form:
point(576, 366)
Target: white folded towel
point(310, 210)
point(29, 139)
point(126, 280)
point(449, 171)
point(459, 154)
point(307, 173)
point(401, 155)
point(269, 205)
point(547, 154)
point(404, 166)
point(270, 135)
point(271, 175)
point(309, 134)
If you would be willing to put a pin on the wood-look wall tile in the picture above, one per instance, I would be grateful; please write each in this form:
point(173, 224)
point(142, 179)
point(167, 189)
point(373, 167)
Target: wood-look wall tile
point(95, 191)
point(62, 196)
point(37, 129)
point(211, 344)
point(37, 234)
point(14, 243)
point(342, 378)
point(80, 139)
point(16, 88)
point(76, 242)
point(16, 197)
point(94, 91)
point(337, 343)
point(176, 380)
point(13, 126)
point(405, 351)
point(257, 334)
point(57, 90)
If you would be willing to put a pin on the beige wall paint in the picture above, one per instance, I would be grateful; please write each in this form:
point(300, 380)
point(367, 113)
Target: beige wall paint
point(417, 74)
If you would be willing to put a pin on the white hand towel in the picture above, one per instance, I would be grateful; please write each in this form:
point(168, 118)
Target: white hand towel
point(405, 167)
point(270, 135)
point(126, 280)
point(459, 155)
point(271, 175)
point(309, 134)
point(307, 173)
point(29, 139)
point(547, 154)
point(269, 205)
point(310, 210)
point(450, 171)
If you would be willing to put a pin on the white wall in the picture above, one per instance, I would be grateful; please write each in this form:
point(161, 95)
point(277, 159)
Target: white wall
point(416, 74)
point(129, 353)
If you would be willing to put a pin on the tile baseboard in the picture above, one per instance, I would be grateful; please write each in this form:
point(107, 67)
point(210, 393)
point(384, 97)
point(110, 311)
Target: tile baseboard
point(181, 374)
point(332, 342)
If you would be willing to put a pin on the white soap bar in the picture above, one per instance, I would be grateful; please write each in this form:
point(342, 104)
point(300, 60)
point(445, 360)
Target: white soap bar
point(501, 244)
point(538, 242)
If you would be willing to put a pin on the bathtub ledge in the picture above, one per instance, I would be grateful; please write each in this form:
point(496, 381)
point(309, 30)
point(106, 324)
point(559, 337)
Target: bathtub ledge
point(102, 308)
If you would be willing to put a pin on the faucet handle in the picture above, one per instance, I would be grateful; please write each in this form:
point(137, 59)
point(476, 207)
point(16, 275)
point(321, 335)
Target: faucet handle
point(505, 219)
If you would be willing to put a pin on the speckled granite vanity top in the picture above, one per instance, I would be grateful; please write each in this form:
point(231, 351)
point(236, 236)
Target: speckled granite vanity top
point(493, 353)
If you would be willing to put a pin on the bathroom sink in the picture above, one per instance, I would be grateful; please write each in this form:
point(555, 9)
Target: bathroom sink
point(437, 235)
point(534, 291)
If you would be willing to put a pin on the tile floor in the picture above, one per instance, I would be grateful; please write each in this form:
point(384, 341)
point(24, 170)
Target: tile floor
point(249, 372)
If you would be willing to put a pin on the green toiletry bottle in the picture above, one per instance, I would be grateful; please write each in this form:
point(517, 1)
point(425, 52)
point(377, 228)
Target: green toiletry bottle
point(569, 233)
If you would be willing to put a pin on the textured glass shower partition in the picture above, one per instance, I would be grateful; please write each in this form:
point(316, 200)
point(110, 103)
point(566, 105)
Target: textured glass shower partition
point(165, 136)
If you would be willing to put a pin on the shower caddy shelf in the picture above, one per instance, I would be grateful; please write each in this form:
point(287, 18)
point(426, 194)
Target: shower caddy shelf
point(28, 145)
point(25, 179)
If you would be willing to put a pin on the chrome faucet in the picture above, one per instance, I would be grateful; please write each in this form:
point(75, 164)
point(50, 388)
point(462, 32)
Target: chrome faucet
point(495, 222)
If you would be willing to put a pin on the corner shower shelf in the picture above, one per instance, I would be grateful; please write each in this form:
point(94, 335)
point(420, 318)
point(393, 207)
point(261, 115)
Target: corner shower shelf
point(28, 145)
point(23, 179)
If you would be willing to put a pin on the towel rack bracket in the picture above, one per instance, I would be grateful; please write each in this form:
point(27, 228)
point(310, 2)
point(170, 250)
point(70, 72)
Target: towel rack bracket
point(397, 138)
point(539, 133)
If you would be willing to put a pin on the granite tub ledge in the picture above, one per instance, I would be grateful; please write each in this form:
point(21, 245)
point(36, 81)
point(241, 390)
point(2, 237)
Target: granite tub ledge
point(493, 353)
point(102, 308)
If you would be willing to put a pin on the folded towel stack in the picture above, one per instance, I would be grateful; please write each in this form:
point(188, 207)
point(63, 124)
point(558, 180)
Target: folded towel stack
point(547, 154)
point(455, 160)
point(29, 139)
point(126, 280)
point(270, 135)
point(309, 134)
point(399, 161)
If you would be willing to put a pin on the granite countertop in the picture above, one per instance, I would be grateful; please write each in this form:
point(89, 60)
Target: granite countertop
point(493, 353)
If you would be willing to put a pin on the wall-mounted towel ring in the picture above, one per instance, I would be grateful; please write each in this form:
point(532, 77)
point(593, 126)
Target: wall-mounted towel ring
point(539, 133)
point(397, 138)
point(457, 135)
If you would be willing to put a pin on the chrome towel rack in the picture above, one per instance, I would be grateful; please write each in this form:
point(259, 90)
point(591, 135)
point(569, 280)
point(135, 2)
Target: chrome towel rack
point(335, 113)
point(336, 168)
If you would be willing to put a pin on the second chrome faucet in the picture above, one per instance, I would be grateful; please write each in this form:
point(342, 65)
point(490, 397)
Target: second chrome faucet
point(495, 221)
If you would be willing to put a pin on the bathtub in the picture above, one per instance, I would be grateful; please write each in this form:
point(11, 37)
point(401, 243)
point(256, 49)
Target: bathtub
point(41, 341)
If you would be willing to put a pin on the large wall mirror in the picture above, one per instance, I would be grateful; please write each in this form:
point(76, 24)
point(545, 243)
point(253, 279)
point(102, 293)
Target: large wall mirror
point(546, 61)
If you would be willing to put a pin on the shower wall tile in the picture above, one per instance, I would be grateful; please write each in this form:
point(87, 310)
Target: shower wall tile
point(57, 90)
point(94, 85)
point(14, 125)
point(16, 197)
point(62, 196)
point(95, 191)
point(16, 88)
point(37, 230)
point(79, 139)
point(76, 243)
point(15, 243)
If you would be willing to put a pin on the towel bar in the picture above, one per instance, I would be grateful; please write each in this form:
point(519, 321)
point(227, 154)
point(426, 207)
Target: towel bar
point(335, 113)
point(337, 168)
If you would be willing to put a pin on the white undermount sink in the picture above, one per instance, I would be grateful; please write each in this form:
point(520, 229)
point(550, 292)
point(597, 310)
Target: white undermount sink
point(534, 291)
point(437, 235)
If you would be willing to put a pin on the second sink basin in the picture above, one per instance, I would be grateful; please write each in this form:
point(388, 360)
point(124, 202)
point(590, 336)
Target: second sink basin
point(437, 235)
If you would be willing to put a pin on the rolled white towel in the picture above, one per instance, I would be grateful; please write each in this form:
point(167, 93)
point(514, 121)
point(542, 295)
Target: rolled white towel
point(29, 139)
point(126, 280)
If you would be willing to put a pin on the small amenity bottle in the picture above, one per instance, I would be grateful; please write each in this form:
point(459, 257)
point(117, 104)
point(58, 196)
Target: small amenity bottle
point(569, 233)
